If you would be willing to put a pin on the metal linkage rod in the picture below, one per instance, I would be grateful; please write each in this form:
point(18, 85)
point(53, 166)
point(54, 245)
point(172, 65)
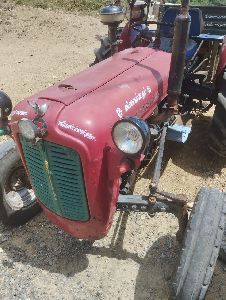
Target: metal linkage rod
point(158, 164)
point(162, 202)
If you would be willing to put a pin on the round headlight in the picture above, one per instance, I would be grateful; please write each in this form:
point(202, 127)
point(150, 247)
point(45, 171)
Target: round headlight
point(28, 129)
point(131, 135)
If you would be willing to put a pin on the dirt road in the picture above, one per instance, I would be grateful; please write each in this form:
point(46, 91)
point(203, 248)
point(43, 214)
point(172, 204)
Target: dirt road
point(39, 261)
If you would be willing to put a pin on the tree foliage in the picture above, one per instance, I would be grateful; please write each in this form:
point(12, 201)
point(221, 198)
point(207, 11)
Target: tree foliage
point(203, 2)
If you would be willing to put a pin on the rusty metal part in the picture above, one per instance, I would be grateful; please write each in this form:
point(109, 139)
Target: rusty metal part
point(162, 202)
point(112, 34)
point(185, 7)
point(176, 75)
point(165, 115)
point(158, 164)
point(213, 61)
point(152, 200)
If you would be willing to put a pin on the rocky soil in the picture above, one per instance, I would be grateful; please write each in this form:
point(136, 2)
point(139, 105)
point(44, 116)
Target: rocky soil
point(137, 259)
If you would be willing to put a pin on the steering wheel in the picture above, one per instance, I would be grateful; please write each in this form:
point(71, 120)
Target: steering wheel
point(146, 33)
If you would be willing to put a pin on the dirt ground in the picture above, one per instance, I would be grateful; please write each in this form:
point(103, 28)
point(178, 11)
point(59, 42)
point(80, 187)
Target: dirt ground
point(135, 261)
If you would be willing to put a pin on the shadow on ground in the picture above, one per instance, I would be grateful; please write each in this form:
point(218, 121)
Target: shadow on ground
point(43, 246)
point(194, 156)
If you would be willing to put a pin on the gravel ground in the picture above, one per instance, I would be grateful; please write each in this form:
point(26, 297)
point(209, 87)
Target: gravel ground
point(137, 259)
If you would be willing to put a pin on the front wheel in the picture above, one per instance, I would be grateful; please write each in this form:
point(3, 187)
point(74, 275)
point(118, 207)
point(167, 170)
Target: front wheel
point(17, 199)
point(201, 245)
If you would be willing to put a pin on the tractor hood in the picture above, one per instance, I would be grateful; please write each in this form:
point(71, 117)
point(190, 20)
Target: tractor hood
point(87, 105)
point(89, 81)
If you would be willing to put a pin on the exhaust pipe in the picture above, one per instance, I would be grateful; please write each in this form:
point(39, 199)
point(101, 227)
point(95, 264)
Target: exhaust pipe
point(180, 39)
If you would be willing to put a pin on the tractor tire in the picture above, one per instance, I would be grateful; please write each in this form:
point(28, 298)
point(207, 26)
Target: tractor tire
point(17, 200)
point(217, 137)
point(222, 254)
point(201, 245)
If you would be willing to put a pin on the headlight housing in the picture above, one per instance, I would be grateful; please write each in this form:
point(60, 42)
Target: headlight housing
point(131, 135)
point(28, 129)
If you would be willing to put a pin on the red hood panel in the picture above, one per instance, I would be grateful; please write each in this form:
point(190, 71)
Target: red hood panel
point(135, 92)
point(131, 83)
point(81, 84)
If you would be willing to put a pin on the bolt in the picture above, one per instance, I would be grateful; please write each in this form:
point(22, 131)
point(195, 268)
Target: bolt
point(134, 207)
point(152, 200)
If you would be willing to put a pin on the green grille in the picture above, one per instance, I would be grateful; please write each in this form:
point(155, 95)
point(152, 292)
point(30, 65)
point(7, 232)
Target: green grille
point(57, 178)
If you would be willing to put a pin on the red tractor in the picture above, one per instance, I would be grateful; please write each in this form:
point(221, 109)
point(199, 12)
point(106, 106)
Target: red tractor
point(78, 144)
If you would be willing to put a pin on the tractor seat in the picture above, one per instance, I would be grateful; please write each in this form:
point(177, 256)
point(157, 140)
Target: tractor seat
point(166, 32)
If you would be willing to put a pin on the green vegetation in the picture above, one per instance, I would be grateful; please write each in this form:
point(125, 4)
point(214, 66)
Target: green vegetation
point(88, 5)
point(94, 5)
point(204, 2)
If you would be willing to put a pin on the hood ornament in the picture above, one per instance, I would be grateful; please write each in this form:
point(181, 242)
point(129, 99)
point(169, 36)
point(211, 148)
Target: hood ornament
point(39, 110)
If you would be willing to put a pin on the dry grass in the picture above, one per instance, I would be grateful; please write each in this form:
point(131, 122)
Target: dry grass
point(69, 5)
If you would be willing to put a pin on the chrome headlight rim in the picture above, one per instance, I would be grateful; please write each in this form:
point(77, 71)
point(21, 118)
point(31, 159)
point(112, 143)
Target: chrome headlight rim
point(34, 130)
point(143, 129)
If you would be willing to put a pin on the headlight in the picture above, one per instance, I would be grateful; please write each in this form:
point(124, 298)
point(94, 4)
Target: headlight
point(28, 129)
point(131, 135)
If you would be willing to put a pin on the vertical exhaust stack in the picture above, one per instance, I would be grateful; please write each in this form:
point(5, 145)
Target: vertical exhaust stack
point(180, 39)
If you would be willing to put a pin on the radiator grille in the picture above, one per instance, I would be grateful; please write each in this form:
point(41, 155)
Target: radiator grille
point(57, 178)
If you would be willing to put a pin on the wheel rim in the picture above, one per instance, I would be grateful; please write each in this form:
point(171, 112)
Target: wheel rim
point(222, 254)
point(17, 189)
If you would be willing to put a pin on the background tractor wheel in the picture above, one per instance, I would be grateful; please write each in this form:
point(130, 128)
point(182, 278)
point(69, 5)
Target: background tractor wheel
point(17, 199)
point(201, 245)
point(217, 138)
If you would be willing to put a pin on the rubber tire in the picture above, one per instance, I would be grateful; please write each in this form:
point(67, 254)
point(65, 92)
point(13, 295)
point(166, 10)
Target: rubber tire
point(201, 245)
point(217, 137)
point(9, 158)
point(222, 254)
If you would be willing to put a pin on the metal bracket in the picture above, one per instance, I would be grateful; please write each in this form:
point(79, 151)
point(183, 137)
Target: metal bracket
point(157, 202)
